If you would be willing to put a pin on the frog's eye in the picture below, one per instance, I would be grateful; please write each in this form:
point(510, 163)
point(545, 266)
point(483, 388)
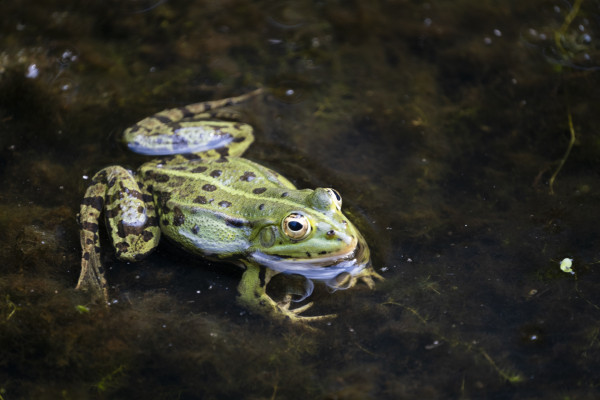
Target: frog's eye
point(296, 226)
point(336, 197)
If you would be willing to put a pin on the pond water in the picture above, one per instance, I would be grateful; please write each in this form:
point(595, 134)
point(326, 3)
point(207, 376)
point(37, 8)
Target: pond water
point(460, 134)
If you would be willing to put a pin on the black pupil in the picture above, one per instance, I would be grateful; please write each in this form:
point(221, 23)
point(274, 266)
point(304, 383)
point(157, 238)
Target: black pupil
point(337, 195)
point(295, 225)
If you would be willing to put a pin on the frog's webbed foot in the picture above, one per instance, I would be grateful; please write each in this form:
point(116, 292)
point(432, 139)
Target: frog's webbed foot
point(368, 276)
point(346, 281)
point(252, 295)
point(91, 279)
point(284, 305)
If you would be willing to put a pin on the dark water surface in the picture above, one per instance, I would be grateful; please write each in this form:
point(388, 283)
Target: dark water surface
point(441, 124)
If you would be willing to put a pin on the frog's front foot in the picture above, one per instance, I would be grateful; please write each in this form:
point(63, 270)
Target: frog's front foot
point(294, 314)
point(253, 295)
point(368, 276)
point(262, 304)
point(346, 281)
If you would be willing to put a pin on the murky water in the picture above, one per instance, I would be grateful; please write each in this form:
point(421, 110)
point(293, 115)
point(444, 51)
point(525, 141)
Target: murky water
point(442, 124)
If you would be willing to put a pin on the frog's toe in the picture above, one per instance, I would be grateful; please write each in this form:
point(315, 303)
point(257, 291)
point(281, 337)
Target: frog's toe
point(315, 318)
point(369, 278)
point(295, 316)
point(285, 303)
point(303, 308)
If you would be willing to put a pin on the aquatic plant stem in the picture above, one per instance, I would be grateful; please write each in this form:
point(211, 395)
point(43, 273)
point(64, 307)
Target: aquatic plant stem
point(559, 34)
point(564, 159)
point(510, 376)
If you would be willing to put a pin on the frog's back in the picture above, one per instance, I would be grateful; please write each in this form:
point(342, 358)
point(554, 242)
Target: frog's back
point(209, 206)
point(190, 175)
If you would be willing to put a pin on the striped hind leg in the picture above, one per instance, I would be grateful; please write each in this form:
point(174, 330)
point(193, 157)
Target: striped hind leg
point(130, 219)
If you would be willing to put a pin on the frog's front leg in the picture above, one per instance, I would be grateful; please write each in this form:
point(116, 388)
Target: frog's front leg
point(130, 219)
point(253, 295)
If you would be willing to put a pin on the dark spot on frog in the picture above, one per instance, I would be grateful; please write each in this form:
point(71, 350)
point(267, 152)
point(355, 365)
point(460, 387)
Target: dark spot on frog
point(96, 202)
point(90, 226)
point(160, 178)
point(89, 241)
point(284, 194)
point(209, 188)
point(121, 230)
point(238, 139)
point(86, 256)
point(162, 199)
point(152, 221)
point(140, 209)
point(248, 176)
point(259, 190)
point(261, 276)
point(224, 203)
point(236, 223)
point(322, 252)
point(165, 222)
point(176, 182)
point(198, 170)
point(178, 218)
point(200, 200)
point(261, 207)
point(163, 119)
point(185, 113)
point(191, 157)
point(175, 126)
point(308, 254)
point(147, 236)
point(223, 151)
point(195, 229)
point(216, 173)
point(121, 247)
point(147, 197)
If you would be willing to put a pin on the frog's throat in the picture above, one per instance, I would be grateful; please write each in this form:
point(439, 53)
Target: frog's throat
point(352, 261)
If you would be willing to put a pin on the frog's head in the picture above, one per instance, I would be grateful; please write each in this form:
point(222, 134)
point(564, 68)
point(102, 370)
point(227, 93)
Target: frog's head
point(314, 239)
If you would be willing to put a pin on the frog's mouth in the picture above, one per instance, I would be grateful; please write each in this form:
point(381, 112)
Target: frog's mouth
point(351, 260)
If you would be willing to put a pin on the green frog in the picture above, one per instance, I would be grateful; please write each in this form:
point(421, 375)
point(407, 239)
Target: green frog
point(211, 202)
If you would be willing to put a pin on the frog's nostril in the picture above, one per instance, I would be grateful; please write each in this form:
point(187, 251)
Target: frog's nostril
point(331, 233)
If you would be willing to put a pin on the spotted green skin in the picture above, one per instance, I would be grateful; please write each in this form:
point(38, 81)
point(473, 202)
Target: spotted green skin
point(211, 202)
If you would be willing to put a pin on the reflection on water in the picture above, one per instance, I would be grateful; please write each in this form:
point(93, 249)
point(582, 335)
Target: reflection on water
point(440, 123)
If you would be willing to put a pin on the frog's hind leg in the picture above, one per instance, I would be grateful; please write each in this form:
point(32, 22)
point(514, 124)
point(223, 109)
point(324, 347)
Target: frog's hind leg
point(186, 130)
point(130, 219)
